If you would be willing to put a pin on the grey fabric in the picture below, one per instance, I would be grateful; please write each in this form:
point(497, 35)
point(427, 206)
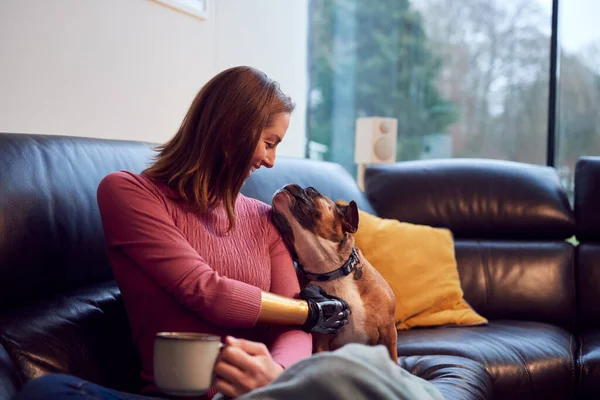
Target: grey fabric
point(356, 372)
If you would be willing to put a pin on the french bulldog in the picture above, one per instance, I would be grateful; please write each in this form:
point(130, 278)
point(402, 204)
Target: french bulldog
point(318, 233)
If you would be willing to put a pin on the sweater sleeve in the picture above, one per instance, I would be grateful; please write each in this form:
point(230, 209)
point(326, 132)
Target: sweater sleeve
point(137, 224)
point(287, 345)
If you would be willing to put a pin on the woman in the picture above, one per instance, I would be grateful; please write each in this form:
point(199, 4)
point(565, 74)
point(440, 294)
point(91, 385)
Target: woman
point(191, 254)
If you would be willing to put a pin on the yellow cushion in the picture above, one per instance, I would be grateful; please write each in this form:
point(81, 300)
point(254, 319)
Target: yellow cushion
point(419, 264)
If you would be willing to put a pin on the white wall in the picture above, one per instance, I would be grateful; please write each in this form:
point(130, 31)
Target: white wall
point(273, 37)
point(128, 69)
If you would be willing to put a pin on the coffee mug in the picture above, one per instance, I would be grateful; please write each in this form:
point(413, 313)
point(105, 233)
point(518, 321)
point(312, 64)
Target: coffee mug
point(184, 362)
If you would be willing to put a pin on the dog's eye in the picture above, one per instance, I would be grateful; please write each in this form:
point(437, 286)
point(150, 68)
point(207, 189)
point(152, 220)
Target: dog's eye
point(311, 189)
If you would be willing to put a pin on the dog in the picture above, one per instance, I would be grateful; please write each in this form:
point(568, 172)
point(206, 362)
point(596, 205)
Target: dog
point(318, 233)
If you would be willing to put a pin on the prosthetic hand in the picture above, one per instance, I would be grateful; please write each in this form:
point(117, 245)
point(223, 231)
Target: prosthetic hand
point(326, 314)
point(315, 311)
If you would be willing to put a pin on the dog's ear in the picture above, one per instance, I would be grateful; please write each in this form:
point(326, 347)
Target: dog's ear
point(350, 212)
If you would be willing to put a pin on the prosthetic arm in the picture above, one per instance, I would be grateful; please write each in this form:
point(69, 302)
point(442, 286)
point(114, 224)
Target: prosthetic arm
point(315, 311)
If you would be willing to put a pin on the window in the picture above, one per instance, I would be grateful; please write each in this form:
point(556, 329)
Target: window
point(578, 122)
point(463, 78)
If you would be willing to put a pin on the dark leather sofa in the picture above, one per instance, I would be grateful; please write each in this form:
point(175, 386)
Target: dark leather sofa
point(60, 310)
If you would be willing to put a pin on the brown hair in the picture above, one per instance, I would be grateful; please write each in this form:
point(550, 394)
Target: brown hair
point(208, 159)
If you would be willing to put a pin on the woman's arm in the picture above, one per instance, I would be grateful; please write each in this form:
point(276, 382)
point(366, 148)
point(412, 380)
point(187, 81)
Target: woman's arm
point(137, 224)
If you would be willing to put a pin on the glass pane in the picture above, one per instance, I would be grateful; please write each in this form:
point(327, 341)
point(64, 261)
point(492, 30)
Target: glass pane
point(463, 78)
point(579, 85)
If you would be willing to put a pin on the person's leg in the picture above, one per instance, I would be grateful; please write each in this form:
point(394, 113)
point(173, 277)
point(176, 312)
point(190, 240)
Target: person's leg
point(61, 386)
point(355, 372)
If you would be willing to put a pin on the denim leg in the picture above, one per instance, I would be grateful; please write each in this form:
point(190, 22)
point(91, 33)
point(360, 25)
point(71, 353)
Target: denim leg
point(61, 386)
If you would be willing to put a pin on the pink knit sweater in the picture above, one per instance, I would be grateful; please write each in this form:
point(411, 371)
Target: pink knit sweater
point(178, 270)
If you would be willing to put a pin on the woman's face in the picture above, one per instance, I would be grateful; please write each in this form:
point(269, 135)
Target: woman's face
point(264, 154)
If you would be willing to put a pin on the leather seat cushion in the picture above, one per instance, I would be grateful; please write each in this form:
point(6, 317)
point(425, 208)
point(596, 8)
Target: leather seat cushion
point(527, 360)
point(84, 333)
point(588, 386)
point(455, 377)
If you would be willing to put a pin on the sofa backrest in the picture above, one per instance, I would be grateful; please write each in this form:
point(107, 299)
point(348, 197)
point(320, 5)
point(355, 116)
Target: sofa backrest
point(587, 214)
point(510, 223)
point(50, 227)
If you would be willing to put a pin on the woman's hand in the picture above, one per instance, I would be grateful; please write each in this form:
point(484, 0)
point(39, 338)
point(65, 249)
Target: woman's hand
point(244, 366)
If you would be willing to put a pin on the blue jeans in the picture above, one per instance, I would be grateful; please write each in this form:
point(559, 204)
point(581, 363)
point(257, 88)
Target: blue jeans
point(355, 372)
point(61, 386)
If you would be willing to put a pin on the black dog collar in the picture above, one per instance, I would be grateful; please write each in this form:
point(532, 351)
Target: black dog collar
point(351, 264)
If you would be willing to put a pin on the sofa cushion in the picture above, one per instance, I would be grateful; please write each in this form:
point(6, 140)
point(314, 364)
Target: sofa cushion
point(419, 264)
point(50, 230)
point(457, 378)
point(520, 280)
point(329, 178)
point(84, 333)
point(527, 360)
point(588, 362)
point(473, 198)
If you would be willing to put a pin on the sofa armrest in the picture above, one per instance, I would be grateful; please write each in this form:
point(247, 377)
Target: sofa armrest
point(457, 378)
point(587, 193)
